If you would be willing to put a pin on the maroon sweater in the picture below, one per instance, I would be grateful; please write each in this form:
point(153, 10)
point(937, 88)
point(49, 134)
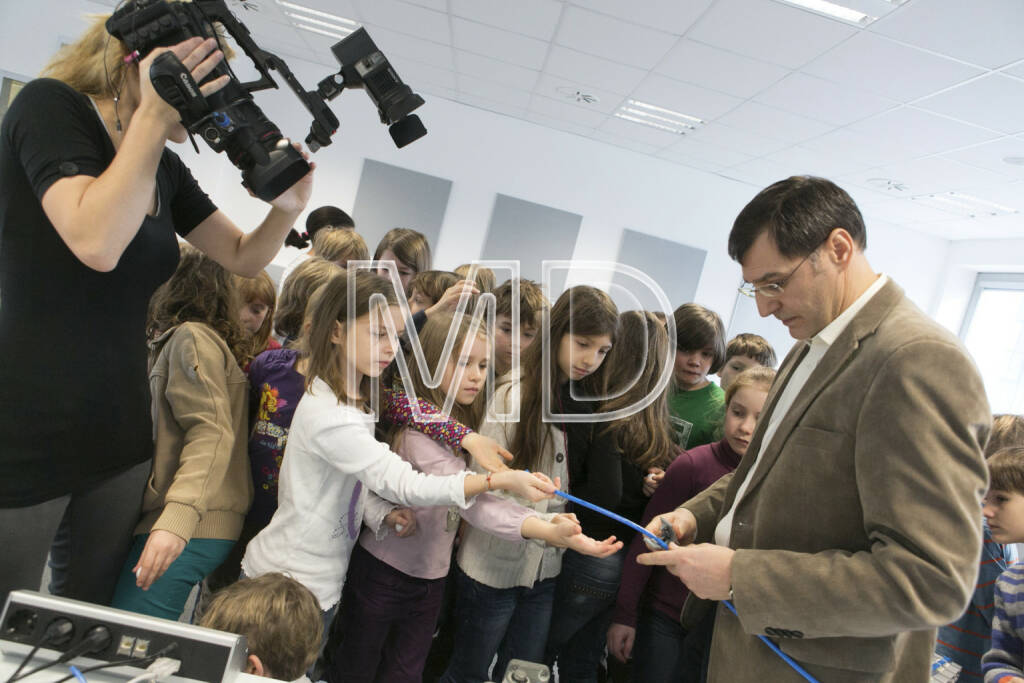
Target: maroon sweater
point(689, 474)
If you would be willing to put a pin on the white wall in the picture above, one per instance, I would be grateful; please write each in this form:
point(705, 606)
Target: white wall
point(483, 154)
point(967, 258)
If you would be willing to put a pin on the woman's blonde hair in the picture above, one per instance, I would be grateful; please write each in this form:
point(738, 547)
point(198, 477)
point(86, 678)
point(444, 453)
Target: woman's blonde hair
point(94, 64)
point(201, 291)
point(261, 289)
point(279, 617)
point(637, 361)
point(340, 245)
point(325, 359)
point(295, 293)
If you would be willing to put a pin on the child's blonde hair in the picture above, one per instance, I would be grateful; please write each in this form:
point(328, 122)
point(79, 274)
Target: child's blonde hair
point(291, 309)
point(1007, 430)
point(433, 284)
point(1006, 470)
point(279, 617)
point(325, 360)
point(484, 279)
point(759, 376)
point(340, 245)
point(532, 302)
point(259, 289)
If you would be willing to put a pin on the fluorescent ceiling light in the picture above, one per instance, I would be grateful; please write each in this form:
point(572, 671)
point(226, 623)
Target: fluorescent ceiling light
point(325, 24)
point(657, 117)
point(964, 204)
point(831, 9)
point(322, 32)
point(317, 13)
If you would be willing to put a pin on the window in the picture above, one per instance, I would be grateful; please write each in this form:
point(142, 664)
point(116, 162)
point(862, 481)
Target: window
point(993, 332)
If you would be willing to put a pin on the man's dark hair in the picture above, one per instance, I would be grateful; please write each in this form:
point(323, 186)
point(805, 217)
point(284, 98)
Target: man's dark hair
point(798, 213)
point(697, 328)
point(327, 217)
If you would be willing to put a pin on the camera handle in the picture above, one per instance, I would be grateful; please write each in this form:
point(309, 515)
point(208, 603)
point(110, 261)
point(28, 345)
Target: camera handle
point(175, 85)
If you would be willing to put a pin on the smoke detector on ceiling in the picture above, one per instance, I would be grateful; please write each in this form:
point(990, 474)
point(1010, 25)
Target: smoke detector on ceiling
point(250, 5)
point(577, 95)
point(887, 184)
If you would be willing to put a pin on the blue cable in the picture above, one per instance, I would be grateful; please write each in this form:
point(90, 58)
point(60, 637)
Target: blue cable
point(77, 674)
point(664, 546)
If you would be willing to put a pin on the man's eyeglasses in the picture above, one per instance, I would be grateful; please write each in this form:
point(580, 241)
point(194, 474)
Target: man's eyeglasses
point(771, 290)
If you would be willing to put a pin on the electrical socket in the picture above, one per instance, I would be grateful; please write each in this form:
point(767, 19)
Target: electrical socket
point(206, 655)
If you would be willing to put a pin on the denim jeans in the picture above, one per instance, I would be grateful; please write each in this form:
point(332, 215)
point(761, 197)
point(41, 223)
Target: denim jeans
point(584, 598)
point(512, 622)
point(658, 648)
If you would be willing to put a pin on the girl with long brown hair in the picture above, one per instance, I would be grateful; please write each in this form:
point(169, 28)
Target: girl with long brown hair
point(505, 589)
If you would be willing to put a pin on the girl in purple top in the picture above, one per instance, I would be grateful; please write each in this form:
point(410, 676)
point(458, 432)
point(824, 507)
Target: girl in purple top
point(396, 577)
point(650, 599)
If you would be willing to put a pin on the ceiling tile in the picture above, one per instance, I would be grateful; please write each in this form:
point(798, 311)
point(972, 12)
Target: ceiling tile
point(773, 123)
point(994, 101)
point(503, 108)
point(439, 5)
point(684, 98)
point(536, 18)
point(690, 150)
point(638, 132)
point(666, 15)
point(564, 111)
point(737, 140)
point(805, 161)
point(595, 33)
point(991, 154)
point(410, 19)
point(625, 142)
point(502, 45)
point(558, 124)
point(859, 148)
point(591, 70)
point(561, 89)
point(492, 91)
point(417, 72)
point(877, 64)
point(920, 131)
point(933, 174)
point(499, 72)
point(341, 8)
point(986, 33)
point(416, 49)
point(718, 69)
point(1017, 70)
point(820, 99)
point(902, 211)
point(758, 172)
point(770, 31)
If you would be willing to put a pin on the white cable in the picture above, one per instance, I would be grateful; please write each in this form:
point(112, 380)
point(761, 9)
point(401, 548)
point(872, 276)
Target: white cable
point(158, 670)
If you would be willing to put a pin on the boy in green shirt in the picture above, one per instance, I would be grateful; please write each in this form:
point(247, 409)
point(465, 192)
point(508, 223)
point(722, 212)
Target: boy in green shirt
point(696, 404)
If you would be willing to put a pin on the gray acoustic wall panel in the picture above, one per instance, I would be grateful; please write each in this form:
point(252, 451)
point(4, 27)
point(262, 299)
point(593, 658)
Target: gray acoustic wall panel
point(673, 266)
point(394, 197)
point(531, 233)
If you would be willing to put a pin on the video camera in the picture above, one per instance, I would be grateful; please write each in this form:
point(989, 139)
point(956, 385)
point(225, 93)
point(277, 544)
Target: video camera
point(229, 119)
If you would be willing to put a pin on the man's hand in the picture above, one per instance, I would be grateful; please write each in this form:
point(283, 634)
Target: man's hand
point(402, 521)
point(620, 641)
point(487, 452)
point(706, 568)
point(683, 523)
point(161, 549)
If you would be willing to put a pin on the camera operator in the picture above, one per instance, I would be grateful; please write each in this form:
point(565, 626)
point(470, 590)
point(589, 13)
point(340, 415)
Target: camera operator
point(90, 201)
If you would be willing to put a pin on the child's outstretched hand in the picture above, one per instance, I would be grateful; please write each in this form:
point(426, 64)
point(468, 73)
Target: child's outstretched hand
point(487, 452)
point(530, 485)
point(402, 521)
point(567, 533)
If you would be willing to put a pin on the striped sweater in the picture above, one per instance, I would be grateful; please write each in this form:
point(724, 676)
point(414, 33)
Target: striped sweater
point(969, 637)
point(1005, 661)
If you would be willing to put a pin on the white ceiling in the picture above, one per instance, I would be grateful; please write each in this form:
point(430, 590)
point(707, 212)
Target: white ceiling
point(931, 95)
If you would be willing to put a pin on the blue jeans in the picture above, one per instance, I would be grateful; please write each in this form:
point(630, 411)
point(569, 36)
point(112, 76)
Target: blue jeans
point(658, 648)
point(584, 598)
point(512, 622)
point(167, 595)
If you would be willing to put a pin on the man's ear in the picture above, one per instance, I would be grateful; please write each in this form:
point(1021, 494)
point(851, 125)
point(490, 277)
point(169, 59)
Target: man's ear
point(254, 666)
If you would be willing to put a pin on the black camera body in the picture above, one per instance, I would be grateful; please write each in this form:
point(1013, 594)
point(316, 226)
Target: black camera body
point(229, 120)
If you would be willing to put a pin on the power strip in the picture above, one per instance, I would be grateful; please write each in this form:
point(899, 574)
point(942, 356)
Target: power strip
point(206, 655)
